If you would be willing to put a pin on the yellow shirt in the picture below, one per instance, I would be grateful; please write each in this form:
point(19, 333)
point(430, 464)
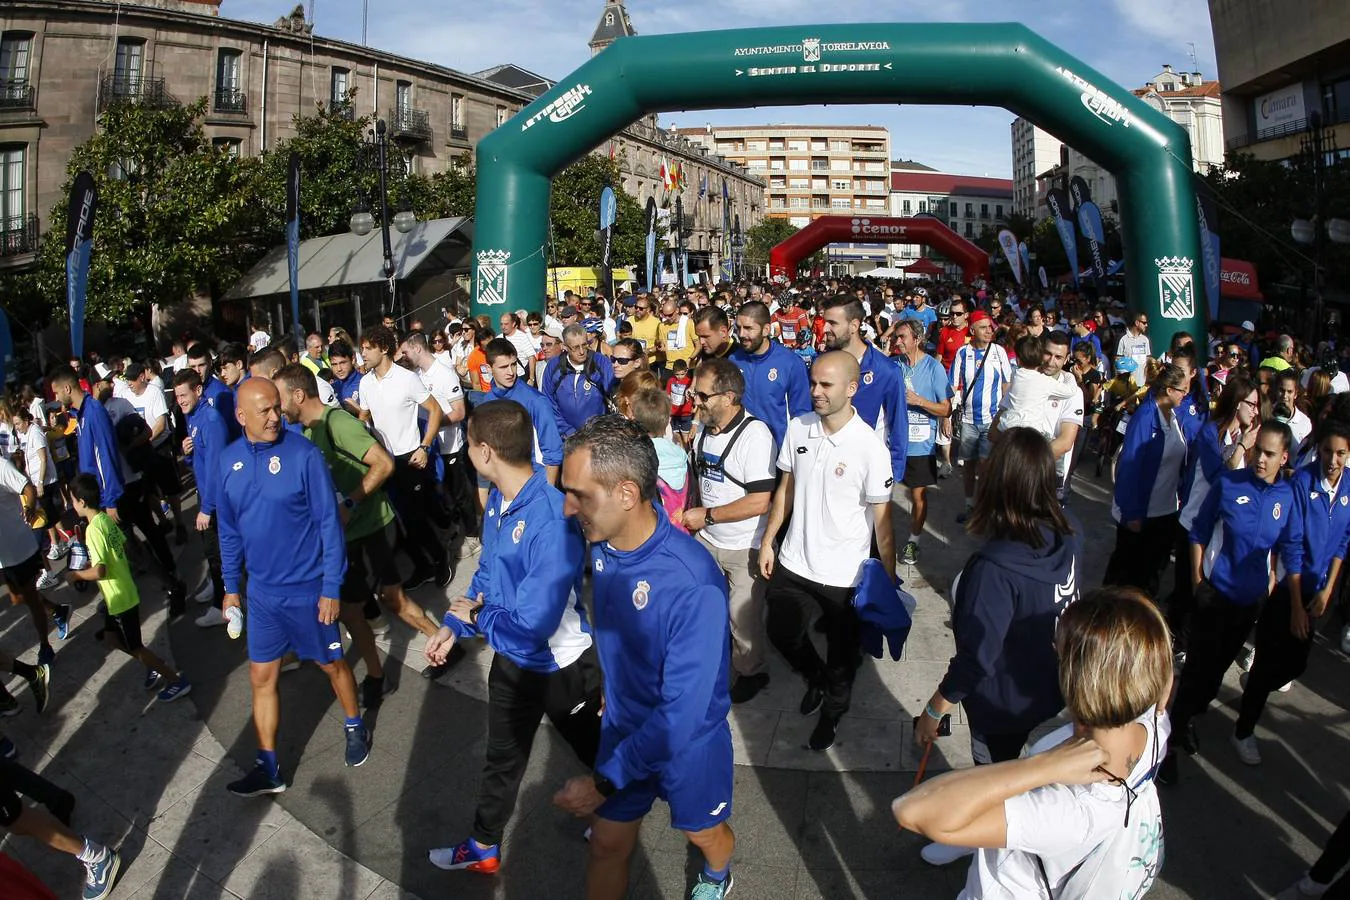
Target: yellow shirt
point(645, 332)
point(107, 547)
point(668, 337)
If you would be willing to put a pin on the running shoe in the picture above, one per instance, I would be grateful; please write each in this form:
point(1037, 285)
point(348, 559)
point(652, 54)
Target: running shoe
point(467, 856)
point(256, 783)
point(1345, 640)
point(471, 546)
point(179, 688)
point(206, 593)
point(1247, 750)
point(61, 618)
point(41, 687)
point(944, 470)
point(910, 555)
point(152, 679)
point(707, 889)
point(358, 744)
point(211, 618)
point(58, 550)
point(47, 581)
point(101, 875)
point(379, 625)
point(290, 662)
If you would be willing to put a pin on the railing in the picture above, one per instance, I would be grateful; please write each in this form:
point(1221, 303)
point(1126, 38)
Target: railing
point(16, 93)
point(117, 89)
point(459, 133)
point(412, 123)
point(230, 100)
point(19, 235)
point(342, 109)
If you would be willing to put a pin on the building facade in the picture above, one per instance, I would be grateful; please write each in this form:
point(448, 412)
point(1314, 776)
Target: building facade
point(1281, 63)
point(970, 205)
point(1034, 151)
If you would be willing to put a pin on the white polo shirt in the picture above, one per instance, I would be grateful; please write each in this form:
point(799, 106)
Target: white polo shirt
point(393, 402)
point(750, 462)
point(837, 478)
point(444, 385)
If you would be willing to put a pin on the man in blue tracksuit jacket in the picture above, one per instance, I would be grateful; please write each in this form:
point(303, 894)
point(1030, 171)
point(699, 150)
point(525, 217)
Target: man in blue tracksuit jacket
point(662, 630)
point(1284, 632)
point(577, 382)
point(525, 600)
point(880, 399)
point(206, 429)
point(777, 386)
point(1247, 514)
point(214, 391)
point(278, 518)
point(506, 385)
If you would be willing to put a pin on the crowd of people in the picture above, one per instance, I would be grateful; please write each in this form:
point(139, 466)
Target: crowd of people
point(657, 493)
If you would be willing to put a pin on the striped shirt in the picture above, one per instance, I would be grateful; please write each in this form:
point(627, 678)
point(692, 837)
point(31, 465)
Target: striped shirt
point(986, 390)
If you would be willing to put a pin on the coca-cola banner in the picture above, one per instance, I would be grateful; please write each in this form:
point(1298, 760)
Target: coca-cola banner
point(1239, 280)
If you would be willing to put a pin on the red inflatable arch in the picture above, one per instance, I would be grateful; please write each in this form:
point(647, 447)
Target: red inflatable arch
point(931, 232)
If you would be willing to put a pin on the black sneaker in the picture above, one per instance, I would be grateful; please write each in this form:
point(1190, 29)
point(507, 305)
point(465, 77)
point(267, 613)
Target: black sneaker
point(1167, 769)
point(747, 686)
point(1189, 740)
point(358, 744)
point(812, 700)
point(63, 807)
point(256, 783)
point(372, 691)
point(822, 737)
point(418, 578)
point(435, 672)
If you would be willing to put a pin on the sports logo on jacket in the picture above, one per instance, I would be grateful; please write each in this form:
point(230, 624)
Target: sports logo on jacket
point(599, 564)
point(1345, 501)
point(517, 531)
point(237, 466)
point(840, 469)
point(641, 594)
point(1275, 512)
point(867, 378)
point(274, 465)
point(773, 374)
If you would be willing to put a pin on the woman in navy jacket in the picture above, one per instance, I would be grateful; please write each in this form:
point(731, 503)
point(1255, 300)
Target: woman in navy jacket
point(1148, 482)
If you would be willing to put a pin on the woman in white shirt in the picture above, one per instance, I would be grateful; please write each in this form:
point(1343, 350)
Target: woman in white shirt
point(1078, 817)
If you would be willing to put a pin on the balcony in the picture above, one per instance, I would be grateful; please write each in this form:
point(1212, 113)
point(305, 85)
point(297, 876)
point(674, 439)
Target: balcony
point(232, 101)
point(116, 89)
point(411, 124)
point(342, 109)
point(16, 93)
point(459, 133)
point(18, 235)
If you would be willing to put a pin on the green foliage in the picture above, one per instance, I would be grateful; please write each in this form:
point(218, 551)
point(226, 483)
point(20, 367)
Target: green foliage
point(175, 215)
point(575, 210)
point(762, 238)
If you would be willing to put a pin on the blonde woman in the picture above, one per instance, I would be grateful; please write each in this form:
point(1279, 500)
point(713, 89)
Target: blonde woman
point(1078, 817)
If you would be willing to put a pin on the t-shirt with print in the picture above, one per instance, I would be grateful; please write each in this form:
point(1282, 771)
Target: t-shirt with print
point(929, 380)
point(107, 547)
point(1064, 824)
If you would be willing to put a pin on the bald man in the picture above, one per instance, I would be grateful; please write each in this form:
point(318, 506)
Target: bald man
point(836, 469)
point(278, 519)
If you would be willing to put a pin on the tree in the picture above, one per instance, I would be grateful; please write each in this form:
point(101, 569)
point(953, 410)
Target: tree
point(575, 210)
point(175, 216)
point(762, 238)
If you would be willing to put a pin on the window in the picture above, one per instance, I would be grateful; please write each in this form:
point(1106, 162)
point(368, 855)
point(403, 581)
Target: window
point(799, 202)
point(876, 204)
point(839, 146)
point(501, 116)
point(904, 207)
point(128, 66)
point(970, 230)
point(340, 82)
point(984, 210)
point(803, 183)
point(799, 221)
point(15, 91)
point(797, 145)
point(756, 145)
point(229, 81)
point(797, 165)
point(839, 165)
point(923, 206)
point(11, 185)
point(953, 225)
point(842, 184)
point(403, 98)
point(998, 211)
point(776, 165)
point(970, 209)
point(841, 203)
point(232, 146)
point(778, 181)
point(456, 111)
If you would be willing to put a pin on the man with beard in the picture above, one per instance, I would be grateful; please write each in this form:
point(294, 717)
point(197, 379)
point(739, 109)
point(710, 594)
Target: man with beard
point(775, 377)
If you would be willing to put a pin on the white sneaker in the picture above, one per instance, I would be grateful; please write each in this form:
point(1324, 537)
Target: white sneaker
point(379, 625)
point(473, 545)
point(205, 594)
point(1309, 888)
point(211, 618)
point(47, 581)
point(1246, 748)
point(942, 854)
point(1284, 688)
point(1245, 659)
point(58, 550)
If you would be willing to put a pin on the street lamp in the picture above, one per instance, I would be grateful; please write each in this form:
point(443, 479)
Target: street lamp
point(375, 154)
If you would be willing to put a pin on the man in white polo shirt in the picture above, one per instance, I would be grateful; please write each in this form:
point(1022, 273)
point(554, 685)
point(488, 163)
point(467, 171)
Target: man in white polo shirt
point(734, 459)
point(392, 398)
point(836, 482)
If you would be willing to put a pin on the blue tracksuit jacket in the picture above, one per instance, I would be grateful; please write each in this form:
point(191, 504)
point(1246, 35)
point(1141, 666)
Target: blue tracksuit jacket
point(529, 574)
point(548, 447)
point(209, 439)
point(1240, 522)
point(777, 386)
point(1140, 457)
point(1326, 524)
point(576, 399)
point(346, 388)
point(99, 456)
point(216, 394)
point(277, 514)
point(664, 640)
point(881, 389)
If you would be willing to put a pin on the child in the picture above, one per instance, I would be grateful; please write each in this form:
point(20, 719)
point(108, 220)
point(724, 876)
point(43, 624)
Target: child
point(109, 567)
point(679, 387)
point(1027, 403)
point(650, 409)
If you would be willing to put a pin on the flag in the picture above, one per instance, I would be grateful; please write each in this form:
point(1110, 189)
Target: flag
point(1090, 224)
point(609, 210)
point(1024, 254)
point(1058, 201)
point(661, 265)
point(666, 174)
point(79, 246)
point(1208, 214)
point(293, 244)
point(1008, 242)
point(1045, 279)
point(651, 242)
point(1079, 193)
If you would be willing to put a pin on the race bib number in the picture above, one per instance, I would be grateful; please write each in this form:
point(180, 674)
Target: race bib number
point(677, 392)
point(643, 343)
point(1124, 423)
point(789, 332)
point(672, 340)
point(485, 374)
point(920, 427)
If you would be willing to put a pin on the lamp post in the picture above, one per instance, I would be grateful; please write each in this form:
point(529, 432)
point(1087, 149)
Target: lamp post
point(737, 249)
point(375, 154)
point(1321, 228)
point(680, 269)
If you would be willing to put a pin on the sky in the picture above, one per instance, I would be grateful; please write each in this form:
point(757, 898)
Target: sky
point(1127, 40)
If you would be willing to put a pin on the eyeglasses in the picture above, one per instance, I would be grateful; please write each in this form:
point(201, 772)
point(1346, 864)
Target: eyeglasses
point(704, 398)
point(623, 360)
point(958, 312)
point(1251, 404)
point(643, 308)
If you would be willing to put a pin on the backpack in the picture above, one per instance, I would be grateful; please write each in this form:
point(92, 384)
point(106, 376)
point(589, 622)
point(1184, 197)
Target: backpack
point(676, 502)
point(700, 463)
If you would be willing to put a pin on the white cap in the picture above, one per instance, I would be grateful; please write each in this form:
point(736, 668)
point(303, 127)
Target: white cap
point(102, 371)
point(1248, 326)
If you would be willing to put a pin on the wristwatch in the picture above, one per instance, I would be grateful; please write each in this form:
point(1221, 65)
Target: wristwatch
point(348, 503)
point(603, 786)
point(708, 517)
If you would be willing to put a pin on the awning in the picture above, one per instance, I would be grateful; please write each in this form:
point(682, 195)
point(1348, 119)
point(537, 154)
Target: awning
point(339, 260)
point(1238, 280)
point(924, 266)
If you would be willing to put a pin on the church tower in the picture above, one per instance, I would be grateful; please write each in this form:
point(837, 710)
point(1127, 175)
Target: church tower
point(614, 24)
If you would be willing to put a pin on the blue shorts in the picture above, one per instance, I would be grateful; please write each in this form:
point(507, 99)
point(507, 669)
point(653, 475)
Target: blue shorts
point(275, 625)
point(697, 784)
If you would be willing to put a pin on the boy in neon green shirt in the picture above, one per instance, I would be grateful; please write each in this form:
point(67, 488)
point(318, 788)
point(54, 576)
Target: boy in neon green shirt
point(109, 567)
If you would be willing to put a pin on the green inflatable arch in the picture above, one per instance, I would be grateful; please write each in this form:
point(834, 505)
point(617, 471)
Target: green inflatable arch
point(988, 65)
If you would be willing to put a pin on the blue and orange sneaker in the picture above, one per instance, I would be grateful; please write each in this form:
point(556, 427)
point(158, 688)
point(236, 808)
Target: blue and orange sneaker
point(469, 856)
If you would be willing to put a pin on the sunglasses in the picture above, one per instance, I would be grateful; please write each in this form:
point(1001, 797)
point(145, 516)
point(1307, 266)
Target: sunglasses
point(704, 398)
point(623, 360)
